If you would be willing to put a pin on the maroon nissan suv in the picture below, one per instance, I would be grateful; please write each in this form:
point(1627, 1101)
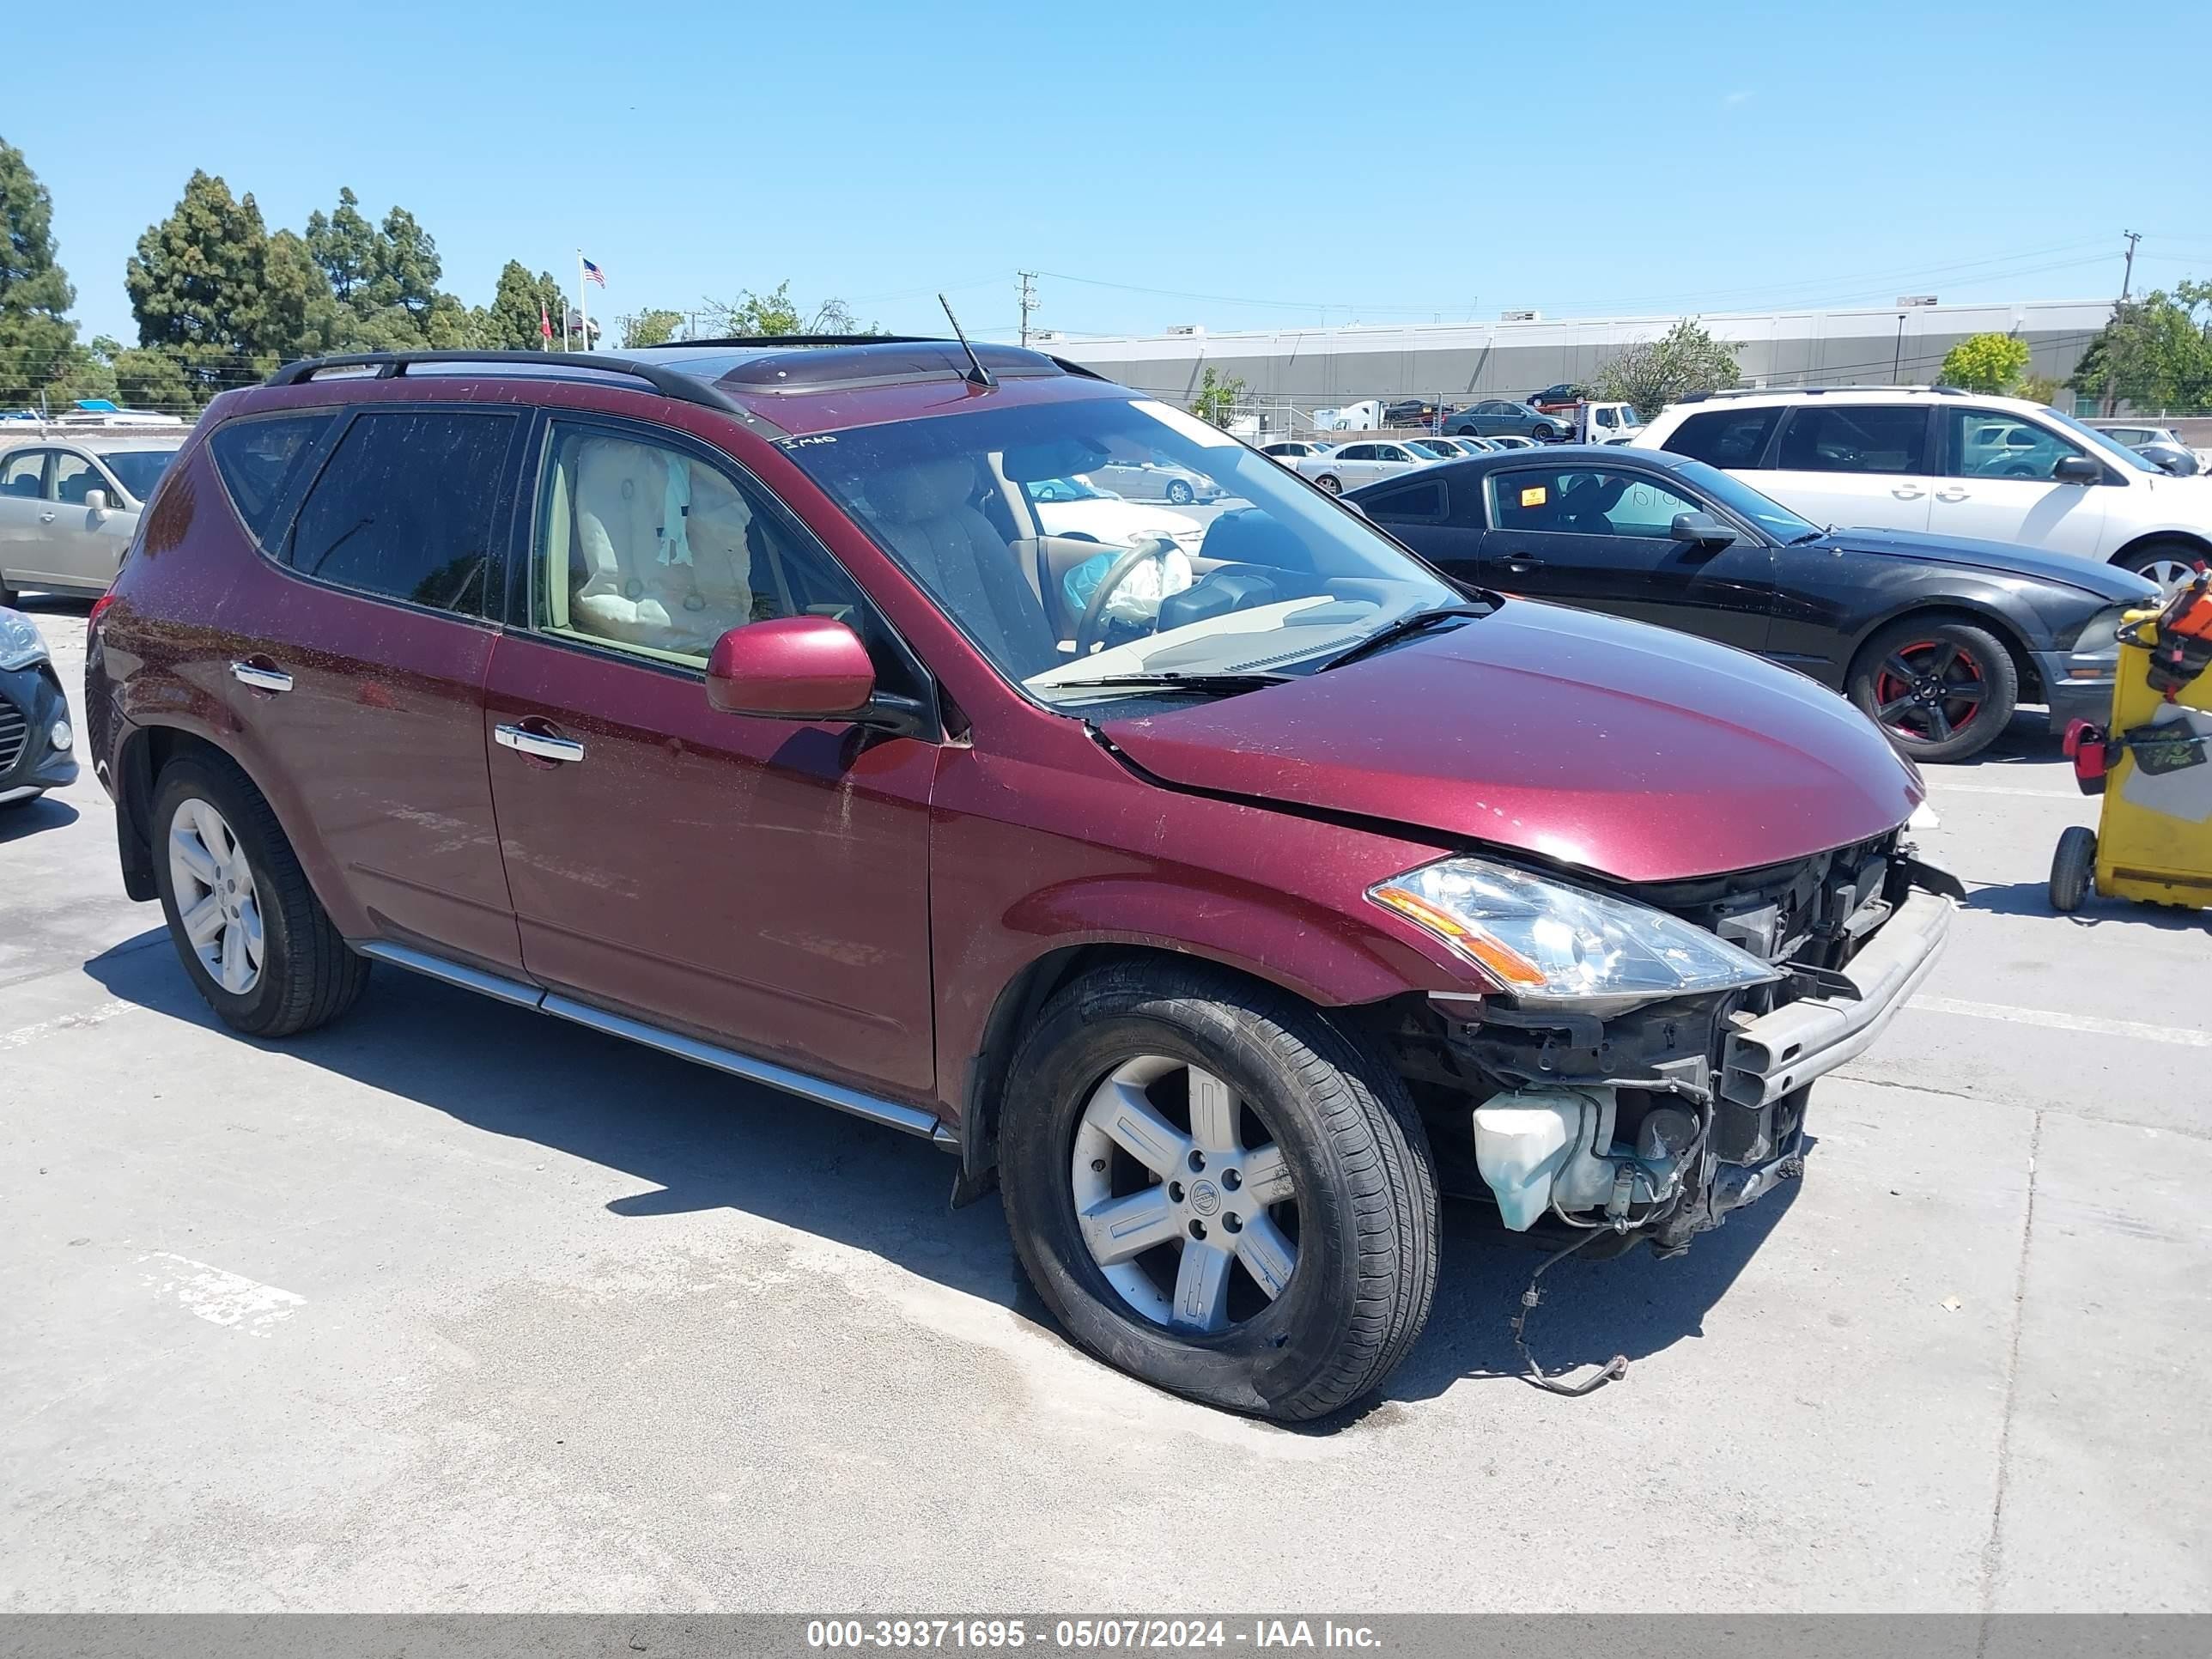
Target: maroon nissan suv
point(1218, 879)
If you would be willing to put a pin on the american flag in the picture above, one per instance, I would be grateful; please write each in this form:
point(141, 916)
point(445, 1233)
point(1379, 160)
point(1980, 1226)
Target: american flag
point(593, 273)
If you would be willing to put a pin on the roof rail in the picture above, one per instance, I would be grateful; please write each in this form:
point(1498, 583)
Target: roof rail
point(1813, 391)
point(392, 365)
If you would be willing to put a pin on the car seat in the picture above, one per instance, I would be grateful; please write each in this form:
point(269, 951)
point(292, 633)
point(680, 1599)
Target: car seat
point(661, 555)
point(926, 513)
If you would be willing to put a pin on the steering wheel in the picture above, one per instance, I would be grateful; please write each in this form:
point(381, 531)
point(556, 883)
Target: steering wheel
point(1091, 630)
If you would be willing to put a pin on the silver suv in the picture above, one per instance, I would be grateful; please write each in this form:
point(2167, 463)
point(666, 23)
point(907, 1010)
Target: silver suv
point(70, 501)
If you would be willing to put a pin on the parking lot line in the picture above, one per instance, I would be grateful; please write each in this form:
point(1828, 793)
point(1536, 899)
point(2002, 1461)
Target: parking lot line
point(1950, 788)
point(219, 1295)
point(24, 1034)
point(2179, 1036)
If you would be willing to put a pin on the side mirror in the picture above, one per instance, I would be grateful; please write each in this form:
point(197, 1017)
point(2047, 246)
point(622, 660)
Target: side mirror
point(791, 668)
point(95, 500)
point(2077, 469)
point(1701, 530)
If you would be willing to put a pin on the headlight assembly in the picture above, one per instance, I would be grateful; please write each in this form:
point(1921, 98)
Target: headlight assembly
point(20, 643)
point(1546, 942)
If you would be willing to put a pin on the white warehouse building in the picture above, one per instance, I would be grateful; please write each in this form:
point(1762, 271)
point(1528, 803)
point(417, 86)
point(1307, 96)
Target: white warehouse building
point(1287, 372)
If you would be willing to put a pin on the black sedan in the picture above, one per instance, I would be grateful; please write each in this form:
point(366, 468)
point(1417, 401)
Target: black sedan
point(1937, 639)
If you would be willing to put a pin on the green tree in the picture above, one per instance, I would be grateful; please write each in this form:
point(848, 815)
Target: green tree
point(777, 312)
point(2156, 352)
point(199, 288)
point(407, 269)
point(38, 341)
point(650, 328)
point(1651, 375)
point(512, 321)
point(1217, 399)
point(1991, 363)
point(2037, 388)
point(345, 245)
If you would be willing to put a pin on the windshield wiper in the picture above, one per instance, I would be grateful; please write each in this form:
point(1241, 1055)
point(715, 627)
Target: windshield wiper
point(1401, 629)
point(1225, 684)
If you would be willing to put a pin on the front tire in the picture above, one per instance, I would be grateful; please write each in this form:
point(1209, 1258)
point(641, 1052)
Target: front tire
point(1543, 434)
point(1331, 482)
point(2073, 869)
point(2169, 564)
point(250, 931)
point(1217, 1191)
point(1179, 492)
point(1941, 691)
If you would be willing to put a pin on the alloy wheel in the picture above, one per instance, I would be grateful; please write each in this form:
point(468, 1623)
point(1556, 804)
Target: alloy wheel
point(217, 904)
point(1183, 1198)
point(1930, 691)
point(2169, 574)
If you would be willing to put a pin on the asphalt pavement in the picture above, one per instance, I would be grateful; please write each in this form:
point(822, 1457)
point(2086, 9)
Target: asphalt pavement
point(453, 1307)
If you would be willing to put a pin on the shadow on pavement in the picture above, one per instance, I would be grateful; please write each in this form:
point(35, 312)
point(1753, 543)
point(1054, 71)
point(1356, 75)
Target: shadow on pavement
point(27, 817)
point(701, 1141)
point(2027, 741)
point(2033, 898)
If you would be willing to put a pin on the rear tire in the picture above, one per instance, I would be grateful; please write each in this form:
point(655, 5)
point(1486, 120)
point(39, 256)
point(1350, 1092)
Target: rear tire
point(1322, 1287)
point(2072, 870)
point(1331, 482)
point(1941, 691)
point(303, 976)
point(8, 596)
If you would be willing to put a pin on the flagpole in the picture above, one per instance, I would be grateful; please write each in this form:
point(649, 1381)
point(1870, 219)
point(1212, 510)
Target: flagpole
point(564, 326)
point(583, 311)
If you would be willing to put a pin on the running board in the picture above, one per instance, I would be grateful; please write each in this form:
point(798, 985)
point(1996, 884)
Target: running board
point(912, 1119)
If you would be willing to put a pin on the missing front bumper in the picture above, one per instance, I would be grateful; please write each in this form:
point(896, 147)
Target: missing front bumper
point(1781, 1052)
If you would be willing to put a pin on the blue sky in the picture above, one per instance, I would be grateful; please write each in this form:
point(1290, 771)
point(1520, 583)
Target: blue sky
point(1240, 166)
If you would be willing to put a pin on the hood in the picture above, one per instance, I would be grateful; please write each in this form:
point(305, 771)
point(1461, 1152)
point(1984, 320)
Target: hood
point(2106, 581)
point(1627, 750)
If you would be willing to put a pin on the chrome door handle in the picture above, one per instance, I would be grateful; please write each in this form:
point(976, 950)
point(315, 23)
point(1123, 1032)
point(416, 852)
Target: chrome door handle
point(1956, 493)
point(532, 743)
point(45, 517)
point(1522, 563)
point(1908, 492)
point(261, 679)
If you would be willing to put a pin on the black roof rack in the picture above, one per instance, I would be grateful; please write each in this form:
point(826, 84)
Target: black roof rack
point(552, 365)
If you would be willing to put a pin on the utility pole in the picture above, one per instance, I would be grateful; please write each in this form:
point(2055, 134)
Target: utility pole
point(1029, 300)
point(2119, 311)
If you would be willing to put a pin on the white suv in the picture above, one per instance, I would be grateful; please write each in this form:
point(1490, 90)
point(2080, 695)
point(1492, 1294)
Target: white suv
point(1952, 464)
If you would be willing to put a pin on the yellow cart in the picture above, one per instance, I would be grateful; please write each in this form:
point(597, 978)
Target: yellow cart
point(2152, 765)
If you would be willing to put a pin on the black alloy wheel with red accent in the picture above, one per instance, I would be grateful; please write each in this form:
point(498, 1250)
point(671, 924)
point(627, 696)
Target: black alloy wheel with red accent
point(1940, 689)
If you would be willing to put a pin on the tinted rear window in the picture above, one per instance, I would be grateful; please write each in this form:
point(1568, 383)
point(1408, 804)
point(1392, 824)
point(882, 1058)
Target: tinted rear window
point(405, 509)
point(1855, 438)
point(1725, 437)
point(260, 461)
point(1423, 501)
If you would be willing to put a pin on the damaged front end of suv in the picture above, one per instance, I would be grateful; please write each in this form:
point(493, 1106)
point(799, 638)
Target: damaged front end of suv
point(1645, 1070)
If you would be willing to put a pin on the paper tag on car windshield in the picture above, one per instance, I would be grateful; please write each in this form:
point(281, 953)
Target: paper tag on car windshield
point(1533, 495)
point(1188, 425)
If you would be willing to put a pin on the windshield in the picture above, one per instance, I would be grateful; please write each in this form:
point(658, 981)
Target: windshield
point(138, 469)
point(1270, 575)
point(1741, 499)
point(2104, 443)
